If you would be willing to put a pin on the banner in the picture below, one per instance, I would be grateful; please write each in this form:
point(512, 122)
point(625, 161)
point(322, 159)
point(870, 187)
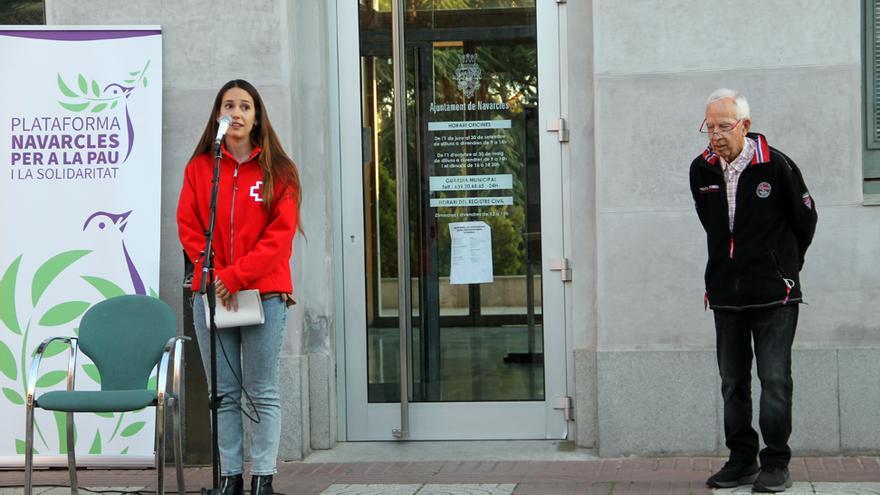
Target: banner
point(80, 152)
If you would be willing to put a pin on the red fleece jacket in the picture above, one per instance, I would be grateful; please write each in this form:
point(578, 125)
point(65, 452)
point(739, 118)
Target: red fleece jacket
point(252, 247)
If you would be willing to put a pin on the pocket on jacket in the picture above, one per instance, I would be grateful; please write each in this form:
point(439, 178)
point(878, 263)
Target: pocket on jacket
point(787, 282)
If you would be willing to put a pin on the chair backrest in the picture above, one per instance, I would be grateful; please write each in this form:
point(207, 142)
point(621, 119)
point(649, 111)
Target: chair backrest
point(124, 336)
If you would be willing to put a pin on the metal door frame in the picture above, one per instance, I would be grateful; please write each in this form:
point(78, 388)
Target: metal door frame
point(360, 420)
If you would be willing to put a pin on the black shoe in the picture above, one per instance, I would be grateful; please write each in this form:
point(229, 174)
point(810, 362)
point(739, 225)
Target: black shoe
point(261, 484)
point(232, 485)
point(732, 475)
point(772, 480)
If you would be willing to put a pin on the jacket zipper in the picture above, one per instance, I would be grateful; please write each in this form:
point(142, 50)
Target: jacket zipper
point(232, 215)
point(741, 174)
point(789, 283)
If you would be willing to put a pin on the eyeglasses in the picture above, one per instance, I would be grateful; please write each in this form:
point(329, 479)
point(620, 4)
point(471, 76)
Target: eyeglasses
point(719, 129)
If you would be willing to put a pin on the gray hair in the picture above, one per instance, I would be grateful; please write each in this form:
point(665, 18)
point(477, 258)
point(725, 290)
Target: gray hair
point(742, 105)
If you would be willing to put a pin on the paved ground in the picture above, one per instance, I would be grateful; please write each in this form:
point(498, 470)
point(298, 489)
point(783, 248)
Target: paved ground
point(679, 475)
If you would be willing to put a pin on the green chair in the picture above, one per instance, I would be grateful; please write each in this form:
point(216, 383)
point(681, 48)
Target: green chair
point(126, 337)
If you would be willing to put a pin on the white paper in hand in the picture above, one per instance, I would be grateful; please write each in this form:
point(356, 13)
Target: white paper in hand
point(250, 311)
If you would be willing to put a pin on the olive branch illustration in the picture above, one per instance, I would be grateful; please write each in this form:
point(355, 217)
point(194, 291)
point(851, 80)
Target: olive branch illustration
point(99, 99)
point(58, 315)
point(91, 93)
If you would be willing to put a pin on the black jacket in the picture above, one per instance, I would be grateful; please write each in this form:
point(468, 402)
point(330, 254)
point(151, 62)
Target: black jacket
point(757, 265)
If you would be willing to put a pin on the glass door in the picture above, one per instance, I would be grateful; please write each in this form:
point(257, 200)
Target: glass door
point(485, 356)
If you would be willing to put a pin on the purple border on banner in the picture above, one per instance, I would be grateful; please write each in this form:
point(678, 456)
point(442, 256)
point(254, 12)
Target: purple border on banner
point(84, 35)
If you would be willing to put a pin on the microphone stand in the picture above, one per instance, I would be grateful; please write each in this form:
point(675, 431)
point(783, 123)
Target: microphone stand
point(207, 286)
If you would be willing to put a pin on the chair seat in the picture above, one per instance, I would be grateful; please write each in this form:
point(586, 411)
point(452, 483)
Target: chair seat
point(96, 400)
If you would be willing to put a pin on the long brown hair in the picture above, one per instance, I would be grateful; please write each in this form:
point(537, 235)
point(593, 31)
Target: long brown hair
point(274, 162)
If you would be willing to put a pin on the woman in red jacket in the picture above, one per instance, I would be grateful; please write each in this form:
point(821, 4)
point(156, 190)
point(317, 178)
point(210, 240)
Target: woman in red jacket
point(257, 217)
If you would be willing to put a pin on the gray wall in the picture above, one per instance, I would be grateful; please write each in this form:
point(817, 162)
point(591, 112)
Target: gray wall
point(637, 74)
point(582, 313)
point(281, 47)
point(655, 64)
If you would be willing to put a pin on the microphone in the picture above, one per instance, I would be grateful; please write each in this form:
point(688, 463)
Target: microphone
point(223, 126)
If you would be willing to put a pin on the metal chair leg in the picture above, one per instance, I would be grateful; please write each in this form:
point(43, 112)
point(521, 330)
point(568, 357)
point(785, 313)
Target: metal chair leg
point(71, 440)
point(29, 450)
point(160, 443)
point(177, 398)
point(178, 446)
point(71, 455)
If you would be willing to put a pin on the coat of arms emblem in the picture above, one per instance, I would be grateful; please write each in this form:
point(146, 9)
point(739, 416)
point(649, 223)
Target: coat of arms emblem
point(468, 74)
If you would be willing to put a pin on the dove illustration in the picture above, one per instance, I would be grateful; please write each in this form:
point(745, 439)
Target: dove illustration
point(104, 220)
point(116, 89)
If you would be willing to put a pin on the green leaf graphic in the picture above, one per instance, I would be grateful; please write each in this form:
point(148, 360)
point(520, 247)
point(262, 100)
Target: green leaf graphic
point(113, 105)
point(93, 373)
point(95, 89)
point(132, 429)
point(153, 293)
point(20, 445)
point(96, 444)
point(49, 270)
point(104, 415)
point(151, 384)
point(145, 81)
point(51, 378)
point(134, 73)
point(7, 297)
point(13, 396)
point(55, 348)
point(61, 427)
point(64, 89)
point(83, 86)
point(128, 81)
point(99, 107)
point(63, 313)
point(124, 451)
point(7, 362)
point(107, 288)
point(74, 107)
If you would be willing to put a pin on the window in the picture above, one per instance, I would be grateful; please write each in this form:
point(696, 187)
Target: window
point(22, 12)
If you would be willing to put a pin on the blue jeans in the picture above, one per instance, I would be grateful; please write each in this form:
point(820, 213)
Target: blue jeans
point(773, 333)
point(253, 354)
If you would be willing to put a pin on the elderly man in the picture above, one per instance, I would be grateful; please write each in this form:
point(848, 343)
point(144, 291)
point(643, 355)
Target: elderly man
point(759, 219)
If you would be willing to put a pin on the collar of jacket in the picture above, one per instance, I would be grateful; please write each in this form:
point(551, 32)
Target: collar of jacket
point(256, 151)
point(762, 152)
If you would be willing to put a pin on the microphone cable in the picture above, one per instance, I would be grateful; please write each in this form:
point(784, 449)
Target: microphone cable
point(238, 379)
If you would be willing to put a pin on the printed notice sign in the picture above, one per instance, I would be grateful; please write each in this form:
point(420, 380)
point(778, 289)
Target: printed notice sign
point(466, 125)
point(471, 253)
point(477, 201)
point(471, 182)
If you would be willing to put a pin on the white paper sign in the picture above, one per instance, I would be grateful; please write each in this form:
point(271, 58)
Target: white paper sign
point(471, 253)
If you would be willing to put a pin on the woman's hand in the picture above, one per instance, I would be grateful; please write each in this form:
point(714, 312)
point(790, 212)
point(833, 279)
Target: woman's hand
point(227, 298)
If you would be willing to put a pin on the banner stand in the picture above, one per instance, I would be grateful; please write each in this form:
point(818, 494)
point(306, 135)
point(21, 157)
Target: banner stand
point(80, 183)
